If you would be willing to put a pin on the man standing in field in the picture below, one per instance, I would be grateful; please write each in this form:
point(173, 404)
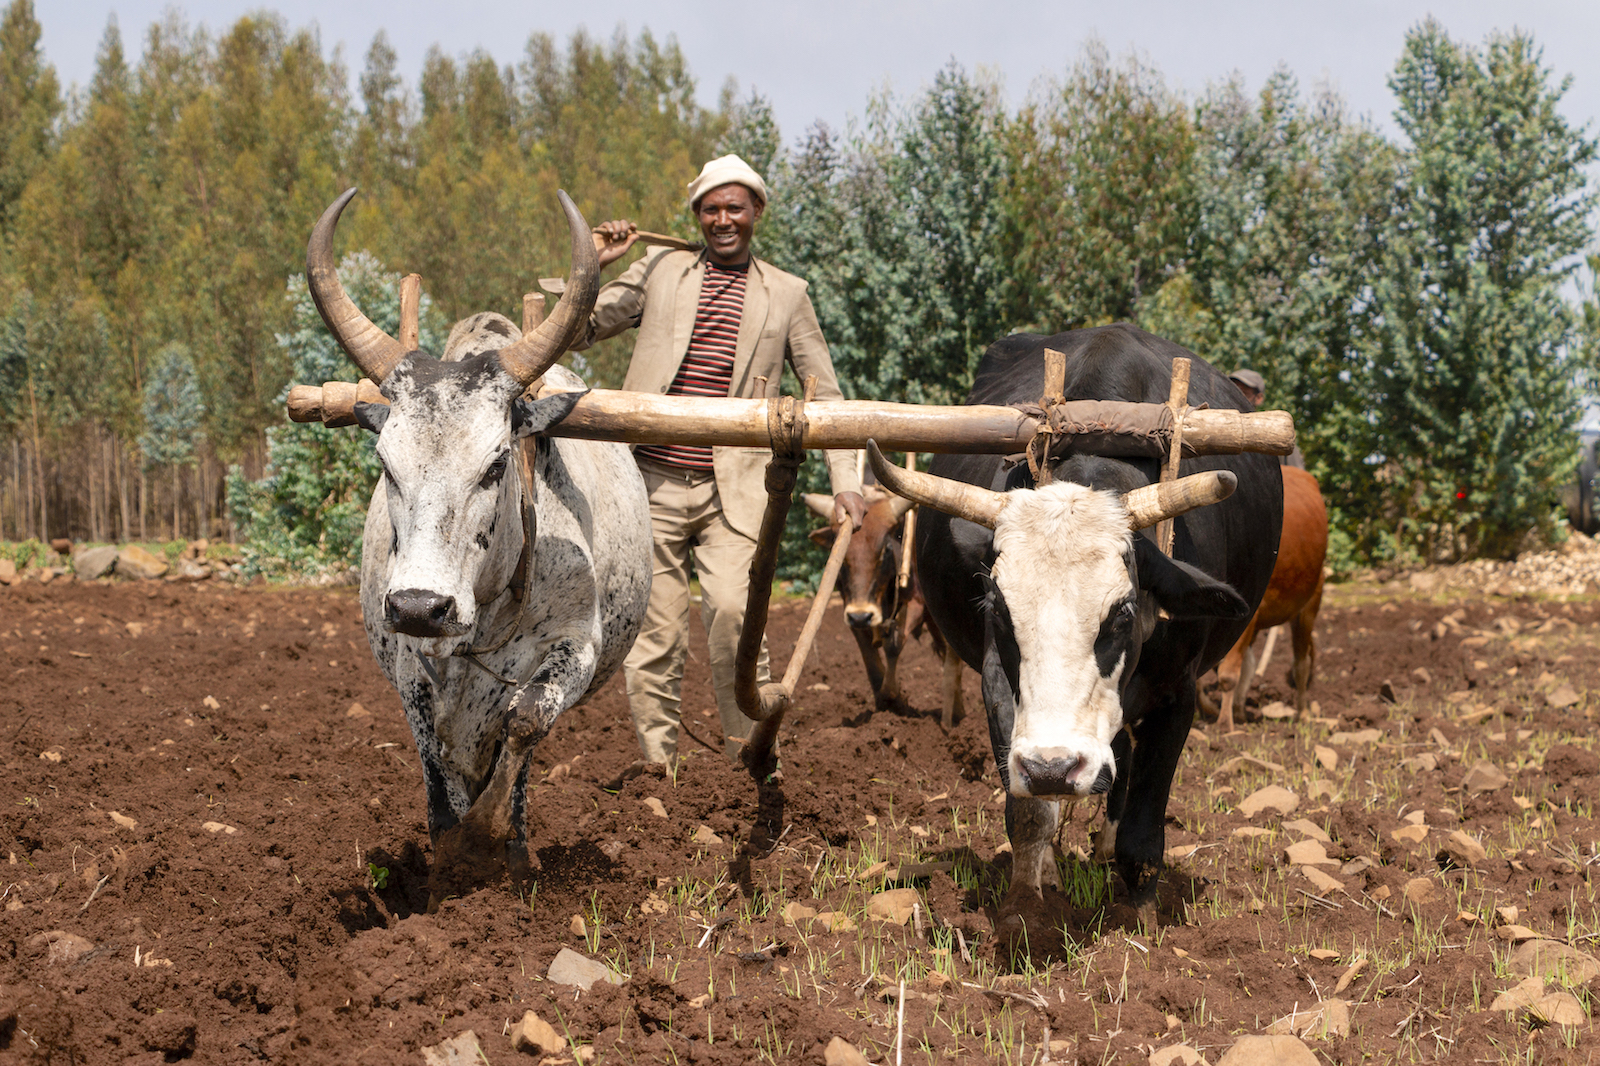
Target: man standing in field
point(711, 323)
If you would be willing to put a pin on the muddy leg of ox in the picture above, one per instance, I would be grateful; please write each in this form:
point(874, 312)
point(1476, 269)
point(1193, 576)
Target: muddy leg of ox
point(873, 662)
point(493, 835)
point(1138, 831)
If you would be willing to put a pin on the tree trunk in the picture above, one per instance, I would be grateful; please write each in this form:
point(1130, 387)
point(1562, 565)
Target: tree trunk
point(119, 462)
point(177, 497)
point(38, 462)
point(144, 500)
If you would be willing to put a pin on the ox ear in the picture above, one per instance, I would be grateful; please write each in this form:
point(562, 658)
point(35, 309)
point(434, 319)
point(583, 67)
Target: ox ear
point(371, 416)
point(535, 416)
point(1184, 591)
point(822, 537)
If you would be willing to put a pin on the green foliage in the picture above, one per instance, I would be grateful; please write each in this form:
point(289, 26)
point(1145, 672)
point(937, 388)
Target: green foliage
point(1290, 196)
point(172, 409)
point(30, 99)
point(1103, 193)
point(305, 517)
point(1472, 352)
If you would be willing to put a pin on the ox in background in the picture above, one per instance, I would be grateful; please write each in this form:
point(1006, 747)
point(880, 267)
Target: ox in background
point(882, 612)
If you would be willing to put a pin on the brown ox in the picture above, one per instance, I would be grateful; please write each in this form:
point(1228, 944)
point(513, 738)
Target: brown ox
point(1294, 596)
point(880, 613)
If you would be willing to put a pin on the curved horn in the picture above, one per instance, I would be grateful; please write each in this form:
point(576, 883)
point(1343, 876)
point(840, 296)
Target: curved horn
point(964, 501)
point(530, 357)
point(373, 350)
point(1155, 503)
point(900, 507)
point(821, 505)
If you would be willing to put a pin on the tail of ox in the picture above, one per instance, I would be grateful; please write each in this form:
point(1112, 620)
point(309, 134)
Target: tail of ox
point(504, 573)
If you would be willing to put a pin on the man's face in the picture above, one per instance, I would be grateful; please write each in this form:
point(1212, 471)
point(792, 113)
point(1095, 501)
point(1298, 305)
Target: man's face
point(728, 217)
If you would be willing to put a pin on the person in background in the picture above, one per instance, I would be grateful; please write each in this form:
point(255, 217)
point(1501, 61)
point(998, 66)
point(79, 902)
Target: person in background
point(1255, 390)
point(718, 322)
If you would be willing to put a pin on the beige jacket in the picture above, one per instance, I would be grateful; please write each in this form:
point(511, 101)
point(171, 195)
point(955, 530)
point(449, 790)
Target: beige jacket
point(660, 295)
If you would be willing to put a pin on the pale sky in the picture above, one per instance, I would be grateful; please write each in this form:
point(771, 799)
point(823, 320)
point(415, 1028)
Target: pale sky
point(822, 58)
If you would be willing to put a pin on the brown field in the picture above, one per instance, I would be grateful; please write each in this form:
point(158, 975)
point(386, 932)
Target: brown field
point(196, 813)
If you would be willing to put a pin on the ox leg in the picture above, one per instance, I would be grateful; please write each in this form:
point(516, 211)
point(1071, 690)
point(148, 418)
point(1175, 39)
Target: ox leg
point(893, 642)
point(1105, 841)
point(470, 854)
point(873, 662)
point(1156, 745)
point(1247, 676)
point(953, 703)
point(417, 698)
point(1305, 651)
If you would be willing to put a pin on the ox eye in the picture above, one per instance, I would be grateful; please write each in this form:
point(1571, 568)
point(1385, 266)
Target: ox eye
point(497, 470)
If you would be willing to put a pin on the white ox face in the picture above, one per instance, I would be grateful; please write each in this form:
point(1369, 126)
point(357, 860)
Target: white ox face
point(447, 445)
point(1064, 619)
point(1072, 599)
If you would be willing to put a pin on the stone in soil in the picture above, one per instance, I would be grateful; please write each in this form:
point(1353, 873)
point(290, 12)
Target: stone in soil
point(1308, 853)
point(91, 563)
point(1560, 1008)
point(1177, 1055)
point(1273, 798)
point(1484, 776)
point(536, 1036)
point(840, 1052)
point(894, 905)
point(1554, 961)
point(570, 968)
point(134, 561)
point(460, 1050)
point(1524, 993)
point(1460, 849)
point(1269, 1051)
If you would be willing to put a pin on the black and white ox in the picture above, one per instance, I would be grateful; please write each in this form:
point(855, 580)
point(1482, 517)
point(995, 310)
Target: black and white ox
point(1088, 639)
point(504, 573)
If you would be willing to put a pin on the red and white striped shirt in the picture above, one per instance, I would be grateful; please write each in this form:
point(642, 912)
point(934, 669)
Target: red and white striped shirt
point(707, 368)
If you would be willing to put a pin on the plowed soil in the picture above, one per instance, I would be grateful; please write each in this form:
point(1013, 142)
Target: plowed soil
point(214, 848)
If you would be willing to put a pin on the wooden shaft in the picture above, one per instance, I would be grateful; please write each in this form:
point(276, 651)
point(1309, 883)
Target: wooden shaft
point(667, 240)
point(909, 534)
point(1178, 401)
point(758, 702)
point(532, 311)
point(647, 418)
point(410, 309)
point(819, 607)
point(1055, 378)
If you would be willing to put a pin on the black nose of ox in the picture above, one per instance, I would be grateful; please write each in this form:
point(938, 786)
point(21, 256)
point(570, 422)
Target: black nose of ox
point(419, 613)
point(858, 619)
point(1048, 777)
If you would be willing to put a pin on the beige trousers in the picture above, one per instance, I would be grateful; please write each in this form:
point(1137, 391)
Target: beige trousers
point(686, 515)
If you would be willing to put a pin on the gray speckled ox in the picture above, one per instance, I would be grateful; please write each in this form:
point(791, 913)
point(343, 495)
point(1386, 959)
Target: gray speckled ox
point(488, 628)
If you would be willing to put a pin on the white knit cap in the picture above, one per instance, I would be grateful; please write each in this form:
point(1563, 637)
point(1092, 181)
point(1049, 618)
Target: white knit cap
point(726, 170)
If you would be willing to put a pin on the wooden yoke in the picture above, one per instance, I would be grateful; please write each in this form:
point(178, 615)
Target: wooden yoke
point(1178, 402)
point(766, 704)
